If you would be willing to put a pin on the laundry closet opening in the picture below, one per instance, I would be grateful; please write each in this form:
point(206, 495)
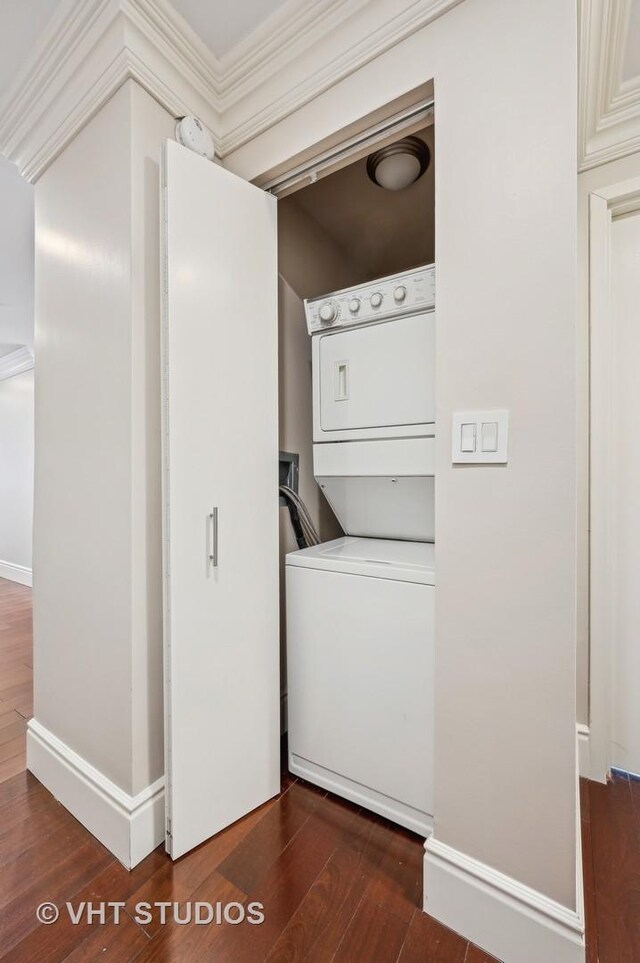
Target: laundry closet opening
point(356, 437)
point(353, 349)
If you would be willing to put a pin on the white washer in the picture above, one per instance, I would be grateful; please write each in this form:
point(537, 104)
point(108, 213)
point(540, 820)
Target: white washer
point(360, 663)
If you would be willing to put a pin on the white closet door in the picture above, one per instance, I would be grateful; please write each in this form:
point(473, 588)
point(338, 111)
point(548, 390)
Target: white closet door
point(220, 406)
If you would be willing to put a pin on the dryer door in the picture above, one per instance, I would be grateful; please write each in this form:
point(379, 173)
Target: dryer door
point(380, 376)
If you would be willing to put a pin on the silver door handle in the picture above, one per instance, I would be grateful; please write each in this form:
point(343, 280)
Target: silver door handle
point(213, 538)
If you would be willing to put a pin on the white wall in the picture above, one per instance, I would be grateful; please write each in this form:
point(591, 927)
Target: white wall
point(311, 261)
point(505, 88)
point(16, 393)
point(16, 476)
point(16, 256)
point(98, 608)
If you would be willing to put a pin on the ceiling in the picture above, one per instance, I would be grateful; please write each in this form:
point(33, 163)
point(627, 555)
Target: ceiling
point(21, 24)
point(383, 231)
point(221, 27)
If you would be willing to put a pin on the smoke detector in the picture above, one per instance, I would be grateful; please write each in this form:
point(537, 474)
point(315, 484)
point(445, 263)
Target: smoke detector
point(191, 133)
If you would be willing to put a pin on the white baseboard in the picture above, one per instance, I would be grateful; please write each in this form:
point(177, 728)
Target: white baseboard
point(129, 826)
point(513, 922)
point(584, 750)
point(16, 573)
point(398, 812)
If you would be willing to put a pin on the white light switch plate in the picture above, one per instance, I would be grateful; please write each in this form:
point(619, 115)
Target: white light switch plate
point(491, 437)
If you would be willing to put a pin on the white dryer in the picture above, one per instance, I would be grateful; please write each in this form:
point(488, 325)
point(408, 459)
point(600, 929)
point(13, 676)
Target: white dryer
point(373, 361)
point(360, 628)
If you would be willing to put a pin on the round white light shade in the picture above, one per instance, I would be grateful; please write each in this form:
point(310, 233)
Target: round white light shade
point(399, 165)
point(397, 171)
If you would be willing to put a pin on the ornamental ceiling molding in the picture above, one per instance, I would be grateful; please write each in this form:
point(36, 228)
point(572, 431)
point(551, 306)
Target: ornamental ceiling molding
point(91, 47)
point(15, 362)
point(608, 105)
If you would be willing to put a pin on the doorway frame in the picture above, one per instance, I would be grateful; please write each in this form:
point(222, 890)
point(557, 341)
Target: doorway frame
point(397, 118)
point(604, 204)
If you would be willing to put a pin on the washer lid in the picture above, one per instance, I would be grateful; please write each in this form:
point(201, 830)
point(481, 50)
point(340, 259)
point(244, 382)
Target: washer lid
point(373, 557)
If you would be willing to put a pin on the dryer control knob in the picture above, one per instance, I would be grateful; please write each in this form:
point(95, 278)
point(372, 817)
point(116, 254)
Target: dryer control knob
point(400, 294)
point(376, 300)
point(328, 312)
point(354, 305)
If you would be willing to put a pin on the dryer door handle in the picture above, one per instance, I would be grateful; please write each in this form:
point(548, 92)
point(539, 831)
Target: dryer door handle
point(341, 381)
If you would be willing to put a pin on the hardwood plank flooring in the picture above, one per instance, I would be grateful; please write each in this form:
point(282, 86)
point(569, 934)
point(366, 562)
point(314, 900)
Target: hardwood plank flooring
point(614, 823)
point(338, 884)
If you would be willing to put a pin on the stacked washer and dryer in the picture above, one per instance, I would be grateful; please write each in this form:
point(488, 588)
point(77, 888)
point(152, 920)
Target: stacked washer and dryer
point(360, 609)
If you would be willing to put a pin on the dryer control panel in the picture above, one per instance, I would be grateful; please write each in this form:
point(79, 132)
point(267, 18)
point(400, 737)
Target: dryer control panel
point(393, 296)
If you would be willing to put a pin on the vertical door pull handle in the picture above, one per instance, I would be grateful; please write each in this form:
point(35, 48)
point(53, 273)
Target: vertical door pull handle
point(213, 538)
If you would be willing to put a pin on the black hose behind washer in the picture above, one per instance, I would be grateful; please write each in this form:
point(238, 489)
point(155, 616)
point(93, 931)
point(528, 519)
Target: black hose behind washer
point(295, 520)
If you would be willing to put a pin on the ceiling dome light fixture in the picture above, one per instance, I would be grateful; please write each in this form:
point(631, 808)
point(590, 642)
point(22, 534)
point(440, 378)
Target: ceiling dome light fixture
point(398, 165)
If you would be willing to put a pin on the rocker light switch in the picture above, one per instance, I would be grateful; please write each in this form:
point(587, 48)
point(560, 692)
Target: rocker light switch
point(468, 437)
point(489, 436)
point(479, 437)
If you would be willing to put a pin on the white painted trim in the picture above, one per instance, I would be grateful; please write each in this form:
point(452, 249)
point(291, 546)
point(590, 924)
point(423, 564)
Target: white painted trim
point(609, 108)
point(398, 812)
point(277, 97)
point(352, 148)
point(511, 921)
point(621, 193)
point(129, 826)
point(601, 614)
point(601, 574)
point(291, 30)
point(508, 919)
point(89, 50)
point(16, 573)
point(16, 362)
point(584, 750)
point(579, 913)
point(92, 47)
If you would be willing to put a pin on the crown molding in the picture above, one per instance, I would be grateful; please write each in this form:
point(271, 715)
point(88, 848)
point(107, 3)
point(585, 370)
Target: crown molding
point(92, 47)
point(288, 32)
point(89, 50)
point(609, 107)
point(16, 362)
point(340, 43)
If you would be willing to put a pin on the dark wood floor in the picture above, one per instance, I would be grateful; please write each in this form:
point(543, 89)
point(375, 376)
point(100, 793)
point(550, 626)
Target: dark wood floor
point(338, 884)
